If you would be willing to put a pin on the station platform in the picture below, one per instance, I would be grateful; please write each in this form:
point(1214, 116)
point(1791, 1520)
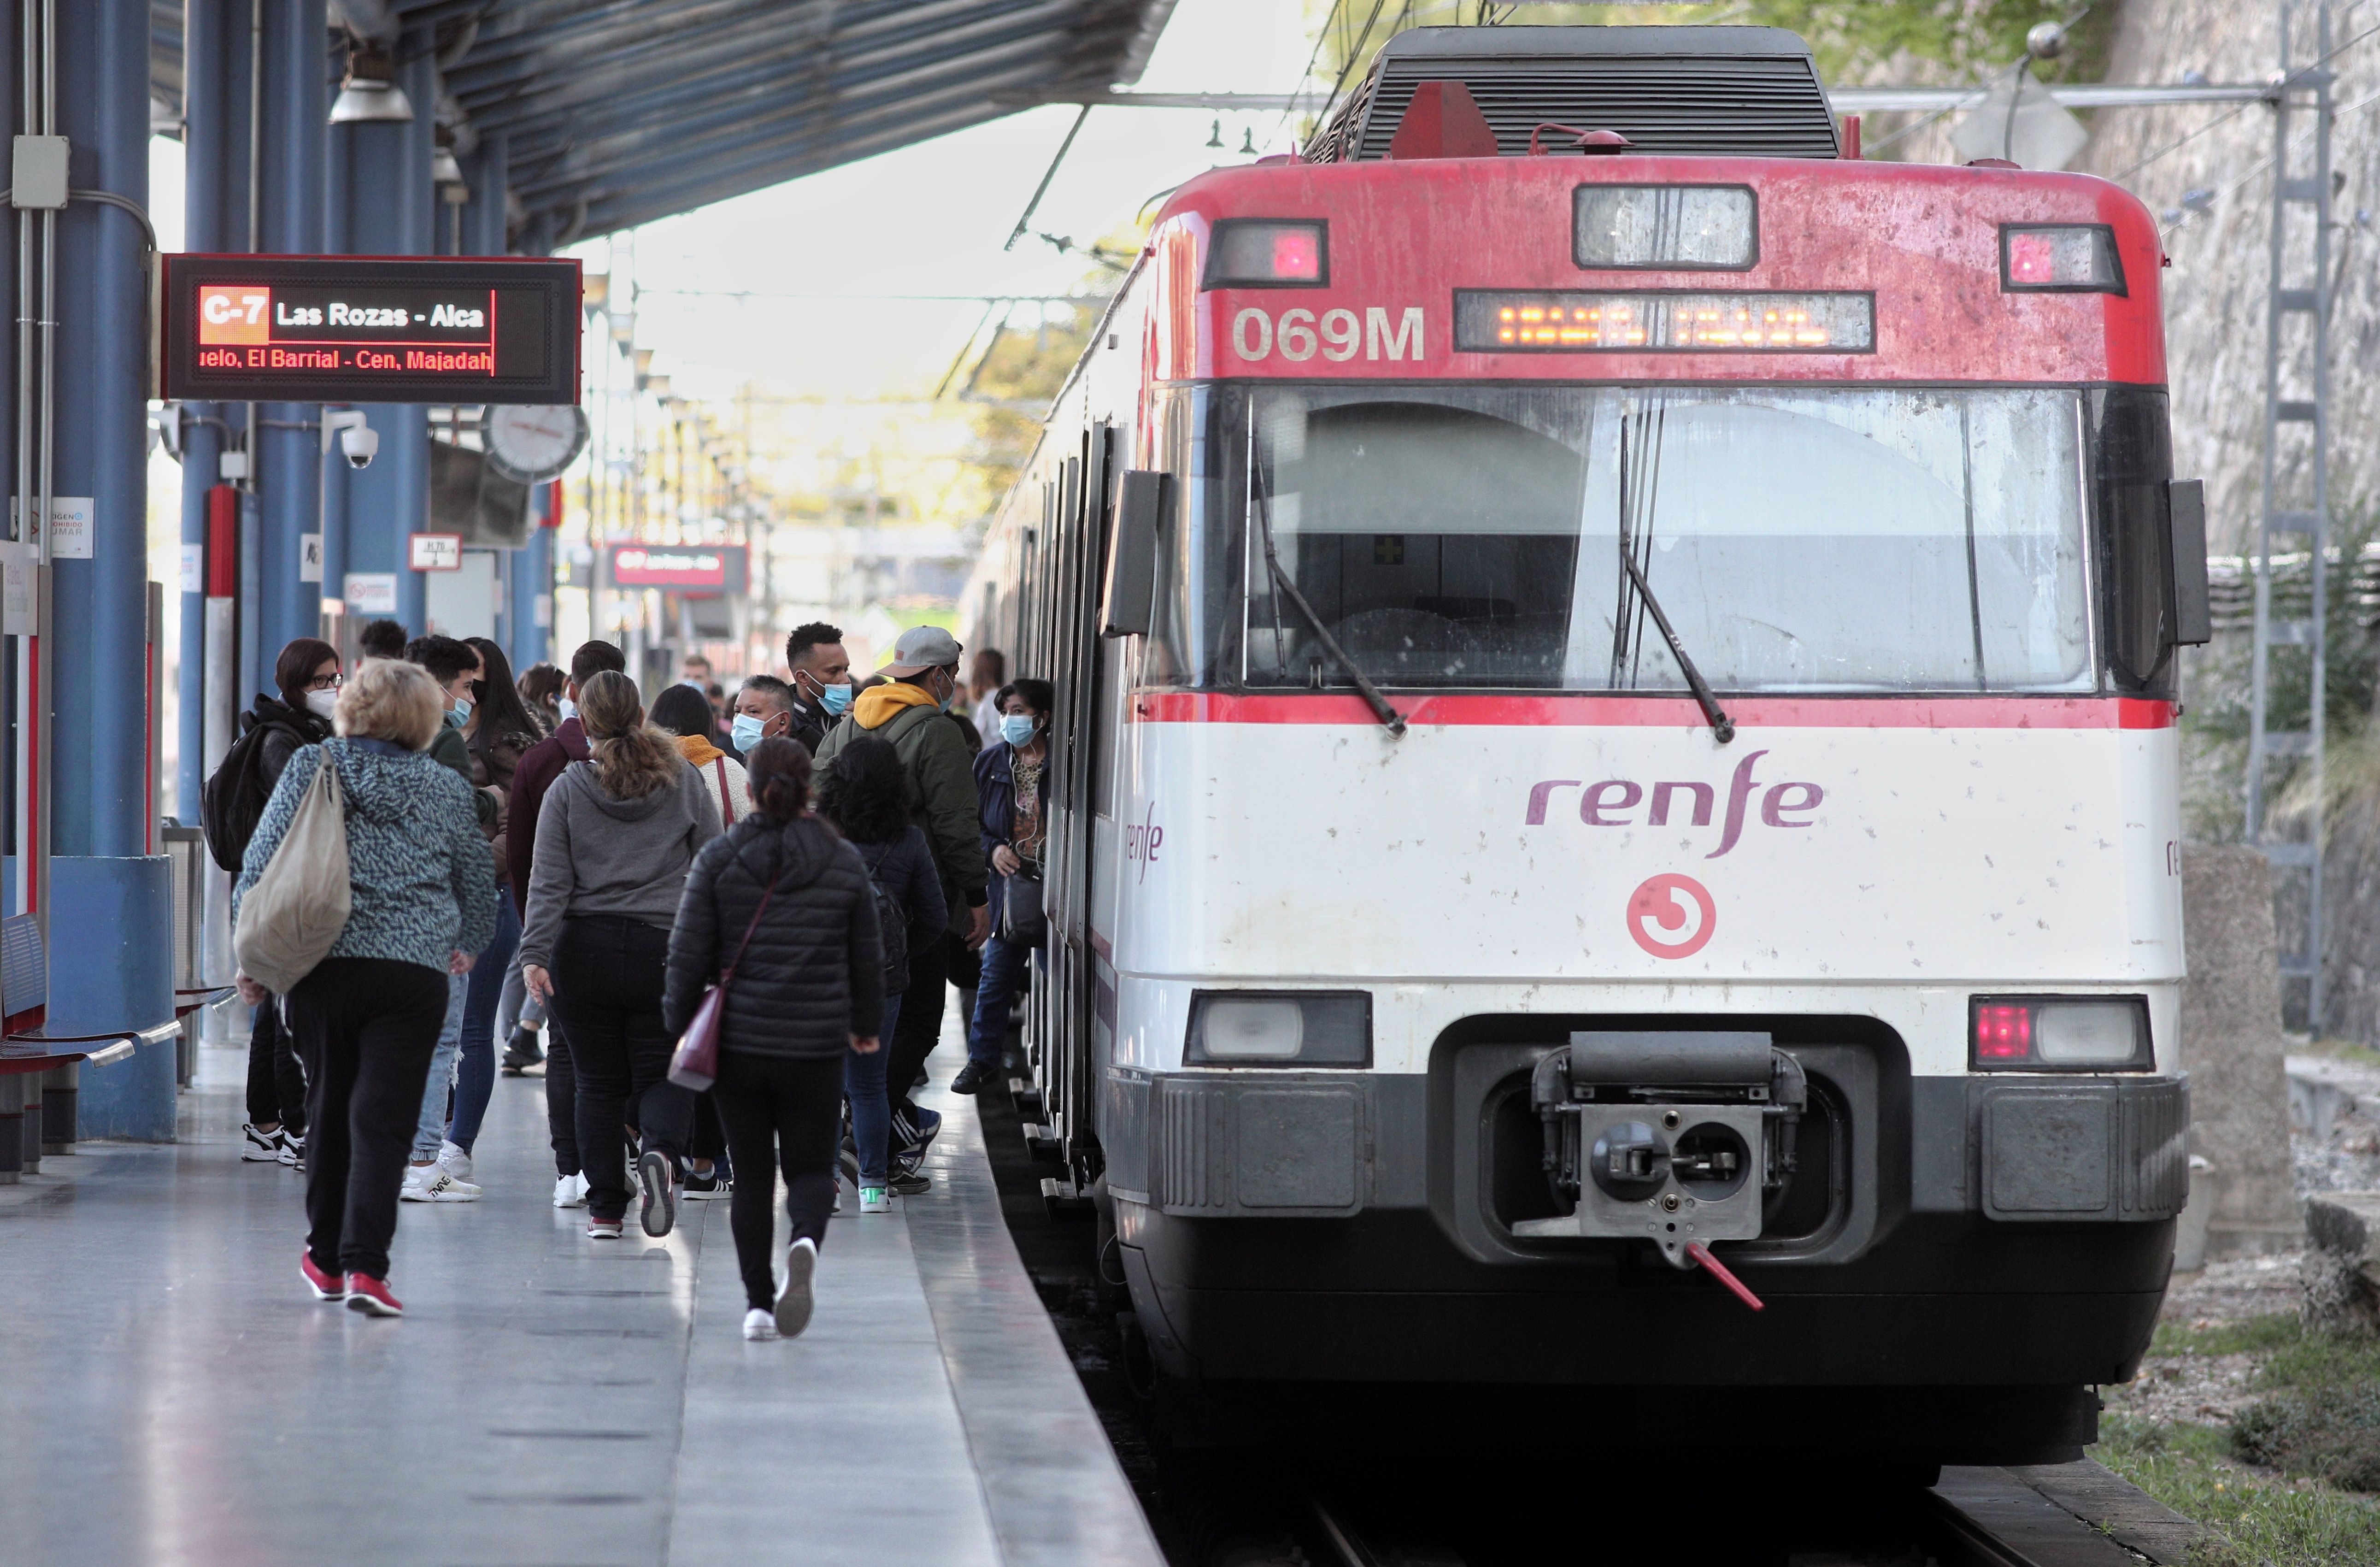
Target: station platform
point(173, 1395)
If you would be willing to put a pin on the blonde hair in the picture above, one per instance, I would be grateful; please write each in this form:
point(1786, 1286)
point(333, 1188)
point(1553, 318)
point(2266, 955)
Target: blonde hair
point(632, 757)
point(390, 699)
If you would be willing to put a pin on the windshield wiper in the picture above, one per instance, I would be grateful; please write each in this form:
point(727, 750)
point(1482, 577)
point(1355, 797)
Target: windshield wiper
point(1390, 717)
point(1723, 726)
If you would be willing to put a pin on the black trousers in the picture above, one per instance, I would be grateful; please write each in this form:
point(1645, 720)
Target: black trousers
point(365, 1027)
point(920, 1027)
point(608, 973)
point(779, 1114)
point(561, 1099)
point(276, 1084)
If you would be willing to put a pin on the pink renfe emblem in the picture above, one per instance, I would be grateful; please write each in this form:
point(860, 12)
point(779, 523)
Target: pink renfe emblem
point(1668, 924)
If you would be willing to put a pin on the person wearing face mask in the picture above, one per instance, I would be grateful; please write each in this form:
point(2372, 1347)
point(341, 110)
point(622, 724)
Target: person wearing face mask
point(820, 690)
point(539, 766)
point(685, 714)
point(307, 674)
point(1013, 777)
point(455, 667)
point(764, 710)
point(911, 710)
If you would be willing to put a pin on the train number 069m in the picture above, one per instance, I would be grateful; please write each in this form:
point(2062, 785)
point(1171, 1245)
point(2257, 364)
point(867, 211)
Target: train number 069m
point(1336, 334)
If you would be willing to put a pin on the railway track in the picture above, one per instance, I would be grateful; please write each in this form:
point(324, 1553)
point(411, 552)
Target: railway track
point(1219, 1501)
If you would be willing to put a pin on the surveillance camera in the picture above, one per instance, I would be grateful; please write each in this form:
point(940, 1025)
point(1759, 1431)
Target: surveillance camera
point(361, 443)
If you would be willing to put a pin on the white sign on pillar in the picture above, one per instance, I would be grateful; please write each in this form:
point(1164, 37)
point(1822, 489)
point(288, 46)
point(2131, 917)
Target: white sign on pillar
point(371, 592)
point(69, 529)
point(194, 568)
point(310, 557)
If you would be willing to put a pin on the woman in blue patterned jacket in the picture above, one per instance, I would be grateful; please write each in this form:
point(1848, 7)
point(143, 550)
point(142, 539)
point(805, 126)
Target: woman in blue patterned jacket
point(367, 1019)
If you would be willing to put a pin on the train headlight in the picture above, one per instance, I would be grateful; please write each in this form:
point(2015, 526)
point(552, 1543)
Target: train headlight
point(2060, 1034)
point(2071, 257)
point(1281, 1029)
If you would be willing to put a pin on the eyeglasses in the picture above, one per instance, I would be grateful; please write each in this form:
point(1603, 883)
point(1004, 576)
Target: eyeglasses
point(326, 682)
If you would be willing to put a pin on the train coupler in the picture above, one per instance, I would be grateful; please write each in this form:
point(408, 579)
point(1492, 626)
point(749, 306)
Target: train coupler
point(1676, 1137)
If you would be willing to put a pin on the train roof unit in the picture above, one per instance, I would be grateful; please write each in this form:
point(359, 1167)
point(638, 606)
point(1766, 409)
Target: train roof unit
point(1726, 91)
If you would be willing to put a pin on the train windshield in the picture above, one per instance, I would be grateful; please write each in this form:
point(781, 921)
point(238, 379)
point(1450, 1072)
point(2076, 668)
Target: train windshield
point(1799, 538)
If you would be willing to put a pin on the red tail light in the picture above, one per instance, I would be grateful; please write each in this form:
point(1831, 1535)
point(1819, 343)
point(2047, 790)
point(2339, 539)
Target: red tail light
point(1268, 253)
point(2003, 1032)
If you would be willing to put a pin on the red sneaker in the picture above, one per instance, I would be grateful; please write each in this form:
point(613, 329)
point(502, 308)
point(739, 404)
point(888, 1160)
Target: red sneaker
point(326, 1286)
point(370, 1296)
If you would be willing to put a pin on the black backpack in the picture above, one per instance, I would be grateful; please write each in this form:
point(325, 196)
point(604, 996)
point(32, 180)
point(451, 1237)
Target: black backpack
point(892, 923)
point(235, 795)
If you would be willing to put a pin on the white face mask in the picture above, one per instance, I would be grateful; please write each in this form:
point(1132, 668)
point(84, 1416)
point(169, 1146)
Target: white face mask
point(320, 703)
point(567, 708)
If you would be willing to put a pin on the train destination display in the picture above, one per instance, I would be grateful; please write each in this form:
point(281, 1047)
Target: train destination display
point(340, 329)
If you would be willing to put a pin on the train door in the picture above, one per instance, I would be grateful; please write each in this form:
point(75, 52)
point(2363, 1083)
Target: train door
point(1070, 991)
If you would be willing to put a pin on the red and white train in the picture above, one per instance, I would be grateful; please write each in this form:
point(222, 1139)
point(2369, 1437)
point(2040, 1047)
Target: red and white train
point(1617, 714)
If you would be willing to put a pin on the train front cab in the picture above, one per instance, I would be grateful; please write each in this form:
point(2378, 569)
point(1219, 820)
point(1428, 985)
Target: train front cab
point(1962, 1246)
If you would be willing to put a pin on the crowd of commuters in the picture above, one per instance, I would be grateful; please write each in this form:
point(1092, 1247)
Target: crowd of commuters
point(555, 863)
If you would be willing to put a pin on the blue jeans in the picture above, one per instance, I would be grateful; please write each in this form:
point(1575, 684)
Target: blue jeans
point(475, 1068)
point(1004, 977)
point(429, 1129)
point(872, 1108)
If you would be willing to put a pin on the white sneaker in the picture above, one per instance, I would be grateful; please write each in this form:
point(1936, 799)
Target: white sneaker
point(428, 1183)
point(261, 1148)
point(758, 1325)
point(838, 1198)
point(875, 1200)
point(793, 1312)
point(570, 1191)
point(456, 1159)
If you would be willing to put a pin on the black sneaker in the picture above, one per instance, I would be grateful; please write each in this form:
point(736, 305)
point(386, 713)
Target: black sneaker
point(521, 1052)
point(909, 1183)
point(971, 1078)
point(706, 1188)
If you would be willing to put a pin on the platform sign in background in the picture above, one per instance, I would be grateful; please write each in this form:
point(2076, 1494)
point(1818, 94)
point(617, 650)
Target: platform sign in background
point(342, 329)
point(700, 570)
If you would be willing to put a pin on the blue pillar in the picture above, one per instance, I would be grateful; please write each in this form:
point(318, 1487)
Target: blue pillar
point(296, 146)
point(99, 632)
point(532, 576)
point(382, 172)
point(215, 161)
point(110, 929)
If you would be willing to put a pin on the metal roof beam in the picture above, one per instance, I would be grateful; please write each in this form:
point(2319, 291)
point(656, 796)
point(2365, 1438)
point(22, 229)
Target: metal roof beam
point(688, 113)
point(742, 129)
point(732, 62)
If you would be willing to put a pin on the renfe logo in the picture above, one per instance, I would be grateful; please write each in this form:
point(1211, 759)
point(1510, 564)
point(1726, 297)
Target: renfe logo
point(1685, 922)
point(1607, 804)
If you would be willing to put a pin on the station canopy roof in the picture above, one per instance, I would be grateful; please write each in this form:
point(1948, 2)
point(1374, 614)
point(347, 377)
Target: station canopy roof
point(619, 112)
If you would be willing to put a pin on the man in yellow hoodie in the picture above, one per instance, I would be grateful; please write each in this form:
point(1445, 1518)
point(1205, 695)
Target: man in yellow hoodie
point(912, 711)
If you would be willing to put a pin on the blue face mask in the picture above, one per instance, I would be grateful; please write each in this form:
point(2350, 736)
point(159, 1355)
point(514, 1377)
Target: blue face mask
point(835, 699)
point(1017, 728)
point(567, 708)
point(461, 711)
point(744, 731)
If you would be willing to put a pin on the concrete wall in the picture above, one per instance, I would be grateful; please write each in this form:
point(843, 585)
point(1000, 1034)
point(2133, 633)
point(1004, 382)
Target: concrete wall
point(2231, 1048)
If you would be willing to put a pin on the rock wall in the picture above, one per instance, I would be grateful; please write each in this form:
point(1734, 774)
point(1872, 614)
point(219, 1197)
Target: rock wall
point(2216, 286)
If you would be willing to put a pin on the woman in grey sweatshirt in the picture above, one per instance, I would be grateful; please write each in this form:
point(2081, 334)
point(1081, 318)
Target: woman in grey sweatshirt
point(614, 837)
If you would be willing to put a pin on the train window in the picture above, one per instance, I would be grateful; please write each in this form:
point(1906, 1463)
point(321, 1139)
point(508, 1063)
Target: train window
point(2134, 458)
point(1802, 539)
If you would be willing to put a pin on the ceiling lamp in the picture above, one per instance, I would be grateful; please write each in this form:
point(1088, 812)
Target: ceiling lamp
point(370, 96)
point(444, 169)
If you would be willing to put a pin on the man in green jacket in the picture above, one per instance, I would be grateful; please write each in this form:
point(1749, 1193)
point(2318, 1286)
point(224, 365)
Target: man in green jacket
point(911, 710)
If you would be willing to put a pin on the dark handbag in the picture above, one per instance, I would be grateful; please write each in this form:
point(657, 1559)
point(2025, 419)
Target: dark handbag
point(696, 1064)
point(1022, 920)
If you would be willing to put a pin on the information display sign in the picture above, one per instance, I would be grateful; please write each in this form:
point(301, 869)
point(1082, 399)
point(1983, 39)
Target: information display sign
point(698, 570)
point(349, 329)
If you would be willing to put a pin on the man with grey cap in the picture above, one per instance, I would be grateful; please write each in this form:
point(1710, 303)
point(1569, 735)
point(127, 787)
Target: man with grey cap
point(912, 711)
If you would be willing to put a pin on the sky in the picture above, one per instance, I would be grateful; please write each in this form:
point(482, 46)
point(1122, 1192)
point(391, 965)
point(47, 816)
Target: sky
point(934, 218)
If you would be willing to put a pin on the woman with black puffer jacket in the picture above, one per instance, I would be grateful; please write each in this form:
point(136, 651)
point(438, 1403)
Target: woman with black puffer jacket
point(786, 902)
